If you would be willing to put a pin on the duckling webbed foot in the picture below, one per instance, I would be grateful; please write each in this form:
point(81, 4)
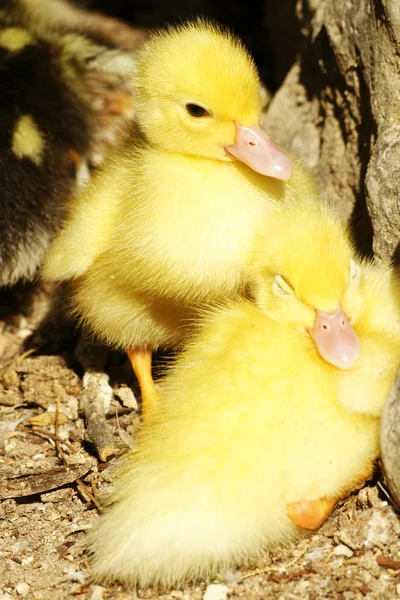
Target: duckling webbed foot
point(310, 514)
point(140, 359)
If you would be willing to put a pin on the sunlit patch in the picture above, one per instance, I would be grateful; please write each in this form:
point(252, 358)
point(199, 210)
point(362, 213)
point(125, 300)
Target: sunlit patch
point(15, 38)
point(28, 141)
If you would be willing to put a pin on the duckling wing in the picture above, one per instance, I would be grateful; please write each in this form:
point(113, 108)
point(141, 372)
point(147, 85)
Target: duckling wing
point(365, 387)
point(88, 229)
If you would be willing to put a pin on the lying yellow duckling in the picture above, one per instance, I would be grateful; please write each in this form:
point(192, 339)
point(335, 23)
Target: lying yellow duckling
point(251, 443)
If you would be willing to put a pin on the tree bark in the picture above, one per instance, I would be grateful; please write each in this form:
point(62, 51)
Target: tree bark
point(338, 109)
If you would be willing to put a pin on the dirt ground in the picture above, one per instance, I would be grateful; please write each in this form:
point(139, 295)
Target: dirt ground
point(47, 508)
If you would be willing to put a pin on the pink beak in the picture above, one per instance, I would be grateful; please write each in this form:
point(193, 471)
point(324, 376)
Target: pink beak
point(254, 148)
point(336, 340)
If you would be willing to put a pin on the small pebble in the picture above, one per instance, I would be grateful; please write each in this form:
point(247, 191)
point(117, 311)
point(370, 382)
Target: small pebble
point(343, 550)
point(216, 591)
point(127, 397)
point(98, 593)
point(302, 586)
point(73, 575)
point(348, 539)
point(100, 383)
point(24, 333)
point(5, 596)
point(317, 554)
point(398, 589)
point(378, 532)
point(22, 588)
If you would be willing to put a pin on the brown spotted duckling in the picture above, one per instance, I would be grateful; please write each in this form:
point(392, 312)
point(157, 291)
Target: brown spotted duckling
point(64, 99)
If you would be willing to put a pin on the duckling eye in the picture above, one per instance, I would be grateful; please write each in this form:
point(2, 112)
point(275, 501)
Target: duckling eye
point(280, 287)
point(195, 110)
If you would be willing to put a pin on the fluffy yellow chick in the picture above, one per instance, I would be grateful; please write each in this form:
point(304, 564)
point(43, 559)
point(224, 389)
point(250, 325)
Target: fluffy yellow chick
point(250, 445)
point(305, 243)
point(167, 226)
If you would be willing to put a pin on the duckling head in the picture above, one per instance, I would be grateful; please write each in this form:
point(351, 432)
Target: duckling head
point(198, 94)
point(311, 269)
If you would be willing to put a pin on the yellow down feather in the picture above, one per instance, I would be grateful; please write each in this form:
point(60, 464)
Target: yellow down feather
point(252, 419)
point(167, 226)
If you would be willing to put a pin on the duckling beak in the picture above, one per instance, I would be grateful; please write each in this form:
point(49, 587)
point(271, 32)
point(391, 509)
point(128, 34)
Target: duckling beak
point(336, 340)
point(254, 148)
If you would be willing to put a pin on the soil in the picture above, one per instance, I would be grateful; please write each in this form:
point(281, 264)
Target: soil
point(50, 492)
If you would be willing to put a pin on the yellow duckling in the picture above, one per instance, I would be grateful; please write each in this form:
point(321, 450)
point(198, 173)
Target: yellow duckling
point(166, 228)
point(56, 121)
point(250, 445)
point(297, 237)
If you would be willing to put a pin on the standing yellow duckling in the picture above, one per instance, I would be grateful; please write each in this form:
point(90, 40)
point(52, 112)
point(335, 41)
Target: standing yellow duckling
point(251, 443)
point(166, 227)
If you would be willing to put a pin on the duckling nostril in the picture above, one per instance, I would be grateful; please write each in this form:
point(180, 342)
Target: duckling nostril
point(252, 144)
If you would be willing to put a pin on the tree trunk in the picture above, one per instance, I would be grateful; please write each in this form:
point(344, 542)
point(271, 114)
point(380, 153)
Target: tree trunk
point(338, 109)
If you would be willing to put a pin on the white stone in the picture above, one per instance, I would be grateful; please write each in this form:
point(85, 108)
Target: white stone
point(216, 591)
point(22, 588)
point(342, 550)
point(98, 593)
point(74, 575)
point(100, 381)
point(377, 531)
point(318, 554)
point(127, 397)
point(24, 333)
point(302, 586)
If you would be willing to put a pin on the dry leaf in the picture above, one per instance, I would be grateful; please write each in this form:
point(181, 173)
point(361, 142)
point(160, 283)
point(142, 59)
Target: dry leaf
point(48, 418)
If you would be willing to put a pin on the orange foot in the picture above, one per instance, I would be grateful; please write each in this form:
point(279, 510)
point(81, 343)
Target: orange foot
point(310, 514)
point(140, 358)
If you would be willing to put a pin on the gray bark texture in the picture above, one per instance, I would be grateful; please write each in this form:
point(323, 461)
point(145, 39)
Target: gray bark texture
point(390, 441)
point(338, 109)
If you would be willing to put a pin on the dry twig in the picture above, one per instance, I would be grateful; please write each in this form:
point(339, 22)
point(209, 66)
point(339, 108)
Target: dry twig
point(47, 435)
point(56, 426)
point(97, 429)
point(272, 569)
point(15, 363)
point(87, 495)
point(37, 483)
